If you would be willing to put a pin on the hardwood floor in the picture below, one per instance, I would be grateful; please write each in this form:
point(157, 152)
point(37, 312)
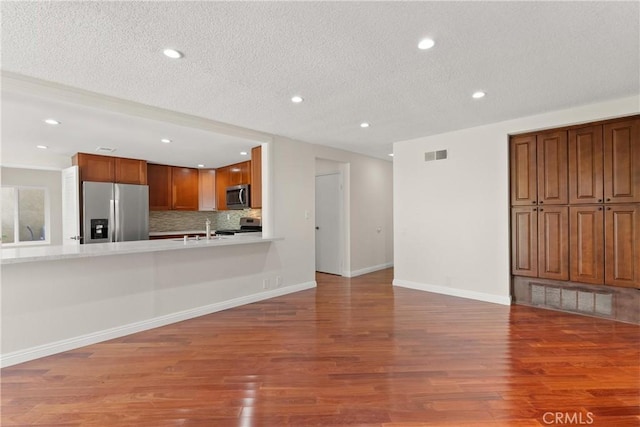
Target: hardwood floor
point(351, 352)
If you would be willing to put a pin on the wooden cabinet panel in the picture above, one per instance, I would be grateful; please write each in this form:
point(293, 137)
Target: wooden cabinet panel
point(553, 242)
point(622, 161)
point(131, 171)
point(586, 165)
point(256, 177)
point(239, 173)
point(524, 241)
point(207, 189)
point(622, 243)
point(587, 244)
point(159, 179)
point(523, 170)
point(222, 182)
point(95, 168)
point(552, 175)
point(184, 185)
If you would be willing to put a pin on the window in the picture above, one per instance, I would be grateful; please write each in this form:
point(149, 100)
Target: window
point(25, 215)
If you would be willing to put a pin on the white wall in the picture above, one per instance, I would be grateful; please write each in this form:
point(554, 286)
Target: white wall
point(452, 216)
point(52, 180)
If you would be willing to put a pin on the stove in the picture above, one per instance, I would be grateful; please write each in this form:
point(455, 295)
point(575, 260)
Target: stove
point(247, 225)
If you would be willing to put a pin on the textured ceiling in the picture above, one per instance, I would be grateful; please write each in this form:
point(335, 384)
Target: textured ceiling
point(350, 61)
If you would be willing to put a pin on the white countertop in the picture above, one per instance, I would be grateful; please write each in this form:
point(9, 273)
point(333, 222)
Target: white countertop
point(180, 232)
point(52, 253)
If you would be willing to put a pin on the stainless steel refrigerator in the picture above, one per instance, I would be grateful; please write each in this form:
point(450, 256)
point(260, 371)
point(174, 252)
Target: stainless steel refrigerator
point(114, 212)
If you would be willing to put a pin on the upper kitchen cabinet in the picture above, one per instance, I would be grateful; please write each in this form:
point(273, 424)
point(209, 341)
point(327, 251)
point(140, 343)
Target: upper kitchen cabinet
point(240, 173)
point(172, 188)
point(159, 177)
point(184, 183)
point(256, 177)
point(622, 161)
point(222, 182)
point(98, 168)
point(207, 189)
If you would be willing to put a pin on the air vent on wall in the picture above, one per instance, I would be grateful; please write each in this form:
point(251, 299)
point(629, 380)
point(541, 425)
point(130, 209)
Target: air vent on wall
point(435, 155)
point(105, 150)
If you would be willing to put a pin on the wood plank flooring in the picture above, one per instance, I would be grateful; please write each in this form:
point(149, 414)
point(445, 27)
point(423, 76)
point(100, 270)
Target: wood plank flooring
point(351, 352)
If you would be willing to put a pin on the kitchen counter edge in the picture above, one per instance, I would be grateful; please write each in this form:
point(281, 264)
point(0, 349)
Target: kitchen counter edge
point(62, 252)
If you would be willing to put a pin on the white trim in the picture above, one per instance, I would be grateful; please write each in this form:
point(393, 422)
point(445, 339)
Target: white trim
point(462, 293)
point(32, 353)
point(368, 269)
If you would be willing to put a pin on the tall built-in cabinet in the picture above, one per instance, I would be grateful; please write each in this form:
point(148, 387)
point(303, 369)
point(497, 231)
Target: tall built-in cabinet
point(575, 204)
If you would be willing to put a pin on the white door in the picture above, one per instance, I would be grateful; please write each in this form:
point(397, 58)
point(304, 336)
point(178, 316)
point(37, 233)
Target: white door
point(70, 206)
point(328, 207)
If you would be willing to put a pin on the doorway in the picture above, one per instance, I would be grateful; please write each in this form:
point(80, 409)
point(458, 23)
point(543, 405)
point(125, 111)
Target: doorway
point(329, 218)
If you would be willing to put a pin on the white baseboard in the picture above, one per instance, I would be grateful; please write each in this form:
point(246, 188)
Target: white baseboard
point(462, 293)
point(37, 352)
point(368, 270)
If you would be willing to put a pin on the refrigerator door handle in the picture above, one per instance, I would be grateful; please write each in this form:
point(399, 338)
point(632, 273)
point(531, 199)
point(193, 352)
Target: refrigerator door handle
point(117, 232)
point(112, 226)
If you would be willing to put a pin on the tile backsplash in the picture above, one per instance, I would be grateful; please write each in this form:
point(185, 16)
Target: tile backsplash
point(161, 221)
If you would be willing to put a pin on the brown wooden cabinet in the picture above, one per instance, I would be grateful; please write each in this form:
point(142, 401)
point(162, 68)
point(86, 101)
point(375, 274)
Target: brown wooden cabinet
point(131, 171)
point(524, 241)
point(256, 177)
point(240, 173)
point(121, 170)
point(586, 165)
point(587, 244)
point(207, 189)
point(172, 188)
point(222, 182)
point(159, 178)
point(622, 161)
point(184, 189)
point(622, 245)
point(553, 242)
point(95, 168)
point(523, 170)
point(551, 159)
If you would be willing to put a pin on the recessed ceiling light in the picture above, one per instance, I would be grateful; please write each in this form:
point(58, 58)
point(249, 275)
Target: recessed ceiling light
point(200, 165)
point(42, 147)
point(172, 53)
point(426, 44)
point(52, 122)
point(296, 99)
point(364, 125)
point(243, 153)
point(165, 140)
point(478, 95)
point(390, 154)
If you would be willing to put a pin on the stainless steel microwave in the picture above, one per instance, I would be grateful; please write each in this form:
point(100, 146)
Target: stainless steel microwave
point(238, 197)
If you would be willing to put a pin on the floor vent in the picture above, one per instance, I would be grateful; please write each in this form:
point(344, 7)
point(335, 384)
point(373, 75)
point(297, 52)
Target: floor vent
point(572, 299)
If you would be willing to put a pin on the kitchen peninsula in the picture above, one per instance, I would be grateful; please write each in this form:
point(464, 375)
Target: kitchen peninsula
point(58, 298)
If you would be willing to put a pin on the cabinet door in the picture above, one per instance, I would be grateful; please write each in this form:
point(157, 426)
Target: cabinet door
point(256, 177)
point(131, 171)
point(239, 173)
point(184, 195)
point(552, 171)
point(587, 244)
point(586, 165)
point(95, 168)
point(159, 179)
point(553, 242)
point(524, 241)
point(222, 182)
point(622, 162)
point(622, 245)
point(207, 189)
point(522, 151)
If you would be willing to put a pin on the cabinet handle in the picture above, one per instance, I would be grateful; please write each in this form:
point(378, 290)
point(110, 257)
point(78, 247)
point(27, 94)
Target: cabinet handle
point(541, 210)
point(599, 200)
point(534, 202)
point(541, 201)
point(608, 200)
point(534, 209)
point(599, 209)
point(608, 209)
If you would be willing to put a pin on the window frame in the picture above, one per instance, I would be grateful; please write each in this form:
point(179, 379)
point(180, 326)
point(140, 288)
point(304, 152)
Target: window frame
point(16, 217)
